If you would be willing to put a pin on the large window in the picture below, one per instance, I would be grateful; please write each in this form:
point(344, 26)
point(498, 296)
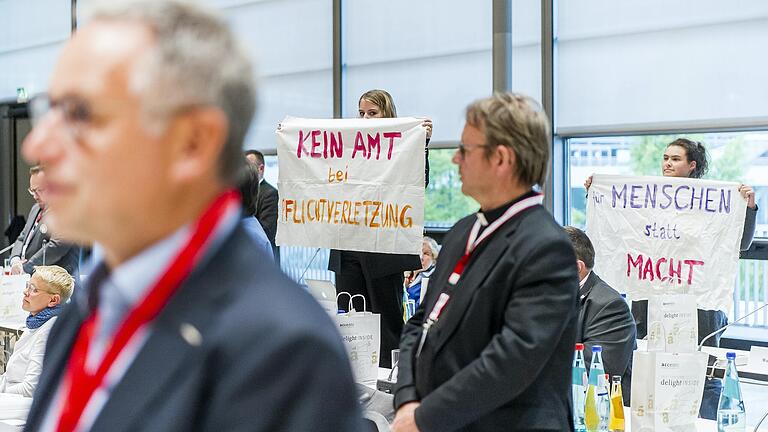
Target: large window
point(291, 44)
point(444, 201)
point(433, 56)
point(34, 32)
point(634, 64)
point(526, 47)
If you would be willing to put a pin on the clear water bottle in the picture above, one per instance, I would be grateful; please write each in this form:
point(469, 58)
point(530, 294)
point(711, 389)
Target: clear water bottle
point(579, 387)
point(730, 410)
point(597, 404)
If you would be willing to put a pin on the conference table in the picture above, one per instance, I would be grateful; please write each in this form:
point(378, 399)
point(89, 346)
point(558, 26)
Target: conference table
point(749, 375)
point(701, 424)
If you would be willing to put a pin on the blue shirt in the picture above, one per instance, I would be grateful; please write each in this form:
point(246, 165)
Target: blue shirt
point(254, 228)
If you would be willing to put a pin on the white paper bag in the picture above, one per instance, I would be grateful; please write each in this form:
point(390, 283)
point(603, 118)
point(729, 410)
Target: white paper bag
point(673, 323)
point(361, 332)
point(667, 390)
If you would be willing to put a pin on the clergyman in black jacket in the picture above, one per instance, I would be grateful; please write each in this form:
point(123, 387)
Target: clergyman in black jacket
point(490, 348)
point(604, 316)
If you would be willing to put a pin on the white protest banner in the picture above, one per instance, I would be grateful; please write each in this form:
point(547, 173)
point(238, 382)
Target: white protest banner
point(666, 235)
point(351, 184)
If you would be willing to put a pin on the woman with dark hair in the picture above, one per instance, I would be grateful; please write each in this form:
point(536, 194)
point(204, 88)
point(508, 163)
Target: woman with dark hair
point(378, 276)
point(249, 191)
point(684, 158)
point(687, 158)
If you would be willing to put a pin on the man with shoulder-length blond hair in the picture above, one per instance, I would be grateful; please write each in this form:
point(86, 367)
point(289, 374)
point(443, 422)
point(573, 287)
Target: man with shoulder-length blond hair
point(490, 348)
point(186, 325)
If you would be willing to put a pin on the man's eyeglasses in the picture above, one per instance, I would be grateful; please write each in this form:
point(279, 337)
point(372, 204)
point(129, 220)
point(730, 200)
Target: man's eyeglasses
point(37, 191)
point(78, 114)
point(31, 289)
point(75, 112)
point(465, 148)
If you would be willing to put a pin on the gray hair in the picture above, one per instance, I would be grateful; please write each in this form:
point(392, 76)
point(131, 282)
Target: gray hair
point(432, 243)
point(518, 122)
point(196, 62)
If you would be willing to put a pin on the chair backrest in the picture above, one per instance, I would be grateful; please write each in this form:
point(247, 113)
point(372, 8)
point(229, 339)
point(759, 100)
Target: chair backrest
point(377, 420)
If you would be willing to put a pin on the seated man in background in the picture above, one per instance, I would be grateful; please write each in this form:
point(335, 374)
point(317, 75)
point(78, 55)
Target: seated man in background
point(35, 246)
point(266, 201)
point(604, 316)
point(47, 290)
point(249, 192)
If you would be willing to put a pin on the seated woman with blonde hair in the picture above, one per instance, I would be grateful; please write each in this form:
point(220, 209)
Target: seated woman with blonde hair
point(47, 290)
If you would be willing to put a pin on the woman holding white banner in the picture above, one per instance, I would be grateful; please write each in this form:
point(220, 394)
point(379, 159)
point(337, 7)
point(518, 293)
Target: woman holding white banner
point(687, 158)
point(378, 276)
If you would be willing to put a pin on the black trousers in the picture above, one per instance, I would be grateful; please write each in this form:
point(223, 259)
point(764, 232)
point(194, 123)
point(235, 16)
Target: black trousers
point(383, 295)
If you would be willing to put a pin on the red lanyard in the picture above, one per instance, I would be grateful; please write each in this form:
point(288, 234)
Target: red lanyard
point(474, 240)
point(80, 384)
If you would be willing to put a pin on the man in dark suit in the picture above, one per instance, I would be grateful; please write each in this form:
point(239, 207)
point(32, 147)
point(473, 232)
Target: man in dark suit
point(266, 204)
point(604, 316)
point(490, 348)
point(35, 246)
point(184, 328)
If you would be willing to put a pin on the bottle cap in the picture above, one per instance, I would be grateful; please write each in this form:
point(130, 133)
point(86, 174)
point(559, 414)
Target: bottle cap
point(730, 355)
point(597, 348)
point(579, 347)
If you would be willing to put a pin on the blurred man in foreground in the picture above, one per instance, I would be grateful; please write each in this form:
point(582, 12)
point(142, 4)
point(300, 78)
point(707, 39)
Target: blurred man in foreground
point(184, 327)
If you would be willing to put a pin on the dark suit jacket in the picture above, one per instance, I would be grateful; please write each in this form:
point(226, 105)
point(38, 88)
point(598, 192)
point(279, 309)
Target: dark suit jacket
point(55, 251)
point(500, 357)
point(266, 213)
point(605, 319)
point(270, 358)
